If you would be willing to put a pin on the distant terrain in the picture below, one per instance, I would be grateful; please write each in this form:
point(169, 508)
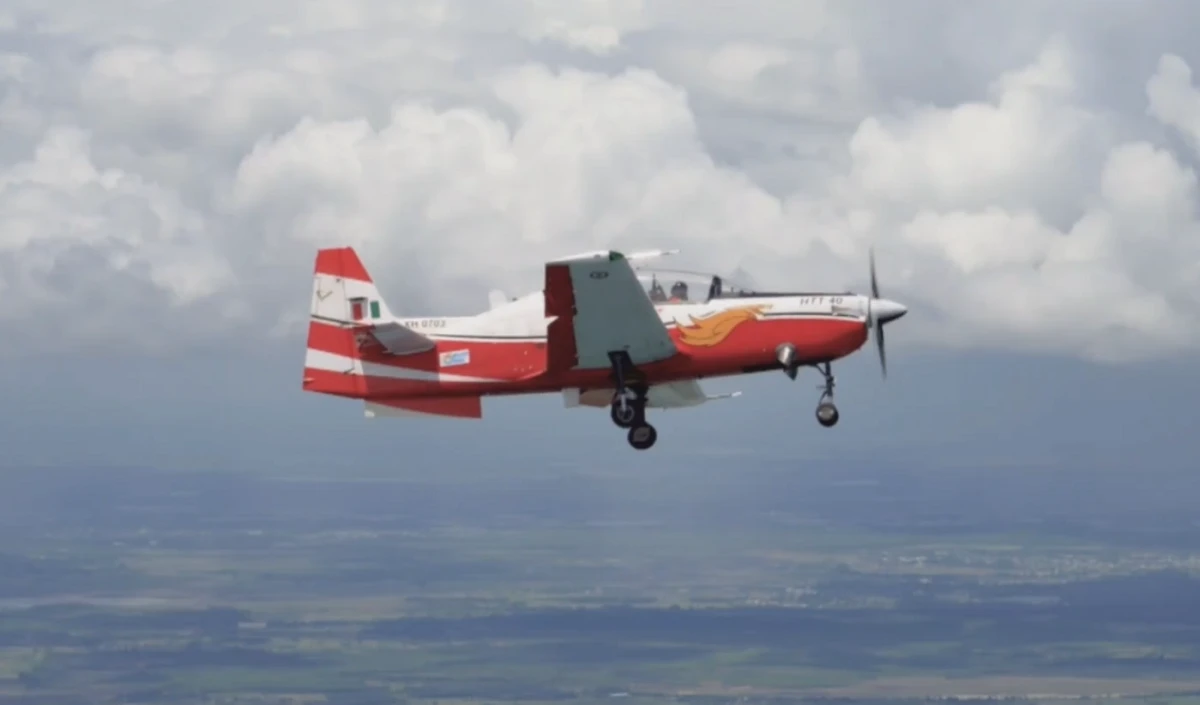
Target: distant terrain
point(697, 584)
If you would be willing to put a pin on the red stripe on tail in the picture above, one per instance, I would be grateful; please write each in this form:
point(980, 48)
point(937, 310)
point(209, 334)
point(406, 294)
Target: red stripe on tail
point(341, 262)
point(337, 341)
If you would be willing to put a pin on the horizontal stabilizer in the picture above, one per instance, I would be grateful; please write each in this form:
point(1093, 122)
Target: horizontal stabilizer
point(397, 339)
point(445, 407)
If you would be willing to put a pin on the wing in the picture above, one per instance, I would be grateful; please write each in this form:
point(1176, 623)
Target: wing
point(599, 307)
point(670, 395)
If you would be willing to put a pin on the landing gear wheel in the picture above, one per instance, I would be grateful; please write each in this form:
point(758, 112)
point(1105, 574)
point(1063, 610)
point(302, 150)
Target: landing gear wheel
point(627, 413)
point(623, 415)
point(827, 414)
point(643, 436)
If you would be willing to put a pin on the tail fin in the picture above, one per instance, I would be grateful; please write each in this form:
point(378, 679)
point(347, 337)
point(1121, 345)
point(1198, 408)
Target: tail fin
point(357, 349)
point(343, 291)
point(345, 311)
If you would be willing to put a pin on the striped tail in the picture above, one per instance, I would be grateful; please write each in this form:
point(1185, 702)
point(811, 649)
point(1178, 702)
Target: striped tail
point(356, 348)
point(345, 304)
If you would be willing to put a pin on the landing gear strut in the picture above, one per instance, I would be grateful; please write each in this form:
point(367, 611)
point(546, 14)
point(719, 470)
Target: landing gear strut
point(827, 412)
point(631, 413)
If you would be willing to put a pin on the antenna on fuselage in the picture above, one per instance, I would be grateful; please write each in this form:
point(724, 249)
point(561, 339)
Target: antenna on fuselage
point(650, 254)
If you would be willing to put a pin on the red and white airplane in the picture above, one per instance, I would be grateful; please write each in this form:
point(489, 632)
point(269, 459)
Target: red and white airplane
point(594, 333)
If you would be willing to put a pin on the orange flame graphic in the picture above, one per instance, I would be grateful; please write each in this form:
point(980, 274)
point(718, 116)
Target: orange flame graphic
point(714, 328)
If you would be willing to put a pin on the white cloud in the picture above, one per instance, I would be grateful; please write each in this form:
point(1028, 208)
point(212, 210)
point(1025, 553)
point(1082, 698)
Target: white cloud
point(97, 256)
point(596, 26)
point(1147, 183)
point(1174, 99)
point(167, 170)
point(1010, 150)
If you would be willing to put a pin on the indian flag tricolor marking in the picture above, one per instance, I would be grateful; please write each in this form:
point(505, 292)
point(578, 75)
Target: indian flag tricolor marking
point(359, 306)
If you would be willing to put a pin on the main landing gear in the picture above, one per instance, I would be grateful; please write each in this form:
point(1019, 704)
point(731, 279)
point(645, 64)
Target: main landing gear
point(630, 413)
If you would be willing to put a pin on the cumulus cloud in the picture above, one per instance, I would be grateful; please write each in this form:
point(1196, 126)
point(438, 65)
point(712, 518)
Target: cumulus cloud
point(596, 26)
point(91, 255)
point(164, 183)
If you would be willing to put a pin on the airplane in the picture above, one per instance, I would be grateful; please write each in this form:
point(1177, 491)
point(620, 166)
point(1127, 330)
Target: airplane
point(594, 333)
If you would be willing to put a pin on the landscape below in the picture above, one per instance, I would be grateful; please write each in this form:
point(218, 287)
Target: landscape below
point(700, 585)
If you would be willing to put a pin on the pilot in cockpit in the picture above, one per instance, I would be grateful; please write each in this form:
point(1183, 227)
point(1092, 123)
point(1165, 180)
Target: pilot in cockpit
point(657, 293)
point(679, 291)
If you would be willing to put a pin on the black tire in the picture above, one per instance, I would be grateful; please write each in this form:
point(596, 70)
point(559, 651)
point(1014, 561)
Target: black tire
point(827, 414)
point(643, 436)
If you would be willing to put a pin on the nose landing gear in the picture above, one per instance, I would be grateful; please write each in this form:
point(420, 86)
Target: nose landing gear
point(827, 412)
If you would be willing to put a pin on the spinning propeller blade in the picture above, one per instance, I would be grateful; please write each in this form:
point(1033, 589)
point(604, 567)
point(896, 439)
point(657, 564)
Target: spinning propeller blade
point(879, 312)
point(875, 322)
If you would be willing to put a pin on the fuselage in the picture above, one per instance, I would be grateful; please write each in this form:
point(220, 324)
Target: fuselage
point(503, 350)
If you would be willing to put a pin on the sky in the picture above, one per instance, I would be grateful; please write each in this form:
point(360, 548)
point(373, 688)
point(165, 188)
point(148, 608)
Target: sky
point(1025, 171)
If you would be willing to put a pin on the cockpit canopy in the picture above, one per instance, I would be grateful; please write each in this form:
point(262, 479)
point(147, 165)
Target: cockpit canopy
point(679, 286)
point(667, 286)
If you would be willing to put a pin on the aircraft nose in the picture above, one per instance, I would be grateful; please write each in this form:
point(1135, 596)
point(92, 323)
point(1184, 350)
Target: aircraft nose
point(887, 311)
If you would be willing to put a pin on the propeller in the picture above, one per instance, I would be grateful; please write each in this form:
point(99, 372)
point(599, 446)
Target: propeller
point(876, 324)
point(879, 312)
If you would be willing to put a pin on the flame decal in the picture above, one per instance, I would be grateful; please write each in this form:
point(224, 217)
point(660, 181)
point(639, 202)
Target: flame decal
point(714, 328)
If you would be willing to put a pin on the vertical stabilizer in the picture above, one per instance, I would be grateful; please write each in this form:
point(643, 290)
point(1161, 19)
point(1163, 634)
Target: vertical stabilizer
point(345, 306)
